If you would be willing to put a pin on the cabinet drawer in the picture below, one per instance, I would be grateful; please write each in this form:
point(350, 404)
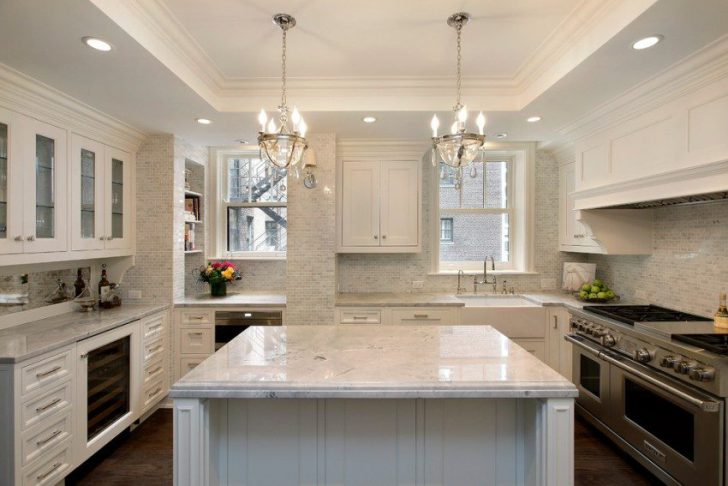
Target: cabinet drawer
point(196, 318)
point(154, 349)
point(188, 363)
point(536, 347)
point(153, 370)
point(423, 316)
point(36, 409)
point(54, 466)
point(196, 341)
point(153, 327)
point(45, 372)
point(45, 436)
point(153, 392)
point(360, 316)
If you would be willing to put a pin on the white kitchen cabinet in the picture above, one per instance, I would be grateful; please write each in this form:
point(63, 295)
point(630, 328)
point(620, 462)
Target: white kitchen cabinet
point(536, 347)
point(379, 206)
point(100, 196)
point(559, 349)
point(33, 188)
point(573, 235)
point(424, 316)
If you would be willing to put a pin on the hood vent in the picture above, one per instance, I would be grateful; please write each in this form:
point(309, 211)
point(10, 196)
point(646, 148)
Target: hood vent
point(674, 201)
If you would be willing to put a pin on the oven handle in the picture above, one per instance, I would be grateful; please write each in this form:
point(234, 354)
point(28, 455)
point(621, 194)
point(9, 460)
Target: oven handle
point(704, 405)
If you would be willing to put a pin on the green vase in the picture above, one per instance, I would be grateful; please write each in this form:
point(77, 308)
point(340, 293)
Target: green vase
point(218, 289)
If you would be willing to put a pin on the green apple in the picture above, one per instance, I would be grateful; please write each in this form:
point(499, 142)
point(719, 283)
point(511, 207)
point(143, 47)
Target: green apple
point(595, 289)
point(597, 282)
point(593, 295)
point(610, 294)
point(586, 287)
point(583, 294)
point(602, 295)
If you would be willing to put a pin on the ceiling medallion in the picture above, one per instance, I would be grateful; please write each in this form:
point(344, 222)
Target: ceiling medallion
point(458, 148)
point(284, 146)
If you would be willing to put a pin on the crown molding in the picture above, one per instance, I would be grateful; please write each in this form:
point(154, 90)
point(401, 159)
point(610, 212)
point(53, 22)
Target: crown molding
point(584, 30)
point(693, 72)
point(19, 92)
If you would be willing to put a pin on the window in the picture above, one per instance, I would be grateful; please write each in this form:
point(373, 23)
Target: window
point(254, 207)
point(489, 209)
point(446, 230)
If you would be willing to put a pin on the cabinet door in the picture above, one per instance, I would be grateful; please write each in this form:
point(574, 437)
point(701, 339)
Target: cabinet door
point(45, 183)
point(399, 209)
point(360, 204)
point(11, 182)
point(118, 199)
point(87, 194)
point(573, 232)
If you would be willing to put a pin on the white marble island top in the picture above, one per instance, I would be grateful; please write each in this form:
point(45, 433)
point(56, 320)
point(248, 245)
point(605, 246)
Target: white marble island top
point(372, 362)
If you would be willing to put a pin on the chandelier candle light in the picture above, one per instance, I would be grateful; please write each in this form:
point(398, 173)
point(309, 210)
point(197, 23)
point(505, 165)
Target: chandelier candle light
point(284, 146)
point(458, 148)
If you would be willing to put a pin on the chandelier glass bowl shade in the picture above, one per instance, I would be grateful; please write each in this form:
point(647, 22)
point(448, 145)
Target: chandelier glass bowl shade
point(282, 145)
point(459, 147)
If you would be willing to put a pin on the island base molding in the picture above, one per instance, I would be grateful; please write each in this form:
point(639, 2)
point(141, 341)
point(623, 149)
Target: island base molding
point(523, 441)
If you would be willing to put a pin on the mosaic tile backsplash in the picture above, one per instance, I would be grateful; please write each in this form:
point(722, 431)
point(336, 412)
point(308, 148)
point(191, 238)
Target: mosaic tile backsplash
point(39, 287)
point(689, 265)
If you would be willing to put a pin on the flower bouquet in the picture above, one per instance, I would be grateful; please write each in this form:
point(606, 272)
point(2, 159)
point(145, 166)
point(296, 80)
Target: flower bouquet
point(218, 275)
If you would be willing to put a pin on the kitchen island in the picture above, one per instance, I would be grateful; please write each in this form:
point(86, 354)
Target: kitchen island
point(365, 405)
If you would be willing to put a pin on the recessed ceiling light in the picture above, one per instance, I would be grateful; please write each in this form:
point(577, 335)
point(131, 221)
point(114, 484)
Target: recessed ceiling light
point(369, 119)
point(647, 42)
point(96, 43)
point(501, 135)
point(203, 121)
point(533, 119)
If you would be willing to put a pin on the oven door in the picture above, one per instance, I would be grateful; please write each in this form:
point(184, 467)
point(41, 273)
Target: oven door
point(678, 428)
point(590, 374)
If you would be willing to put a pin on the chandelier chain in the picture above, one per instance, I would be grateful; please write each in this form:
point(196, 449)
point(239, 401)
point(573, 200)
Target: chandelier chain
point(284, 110)
point(459, 69)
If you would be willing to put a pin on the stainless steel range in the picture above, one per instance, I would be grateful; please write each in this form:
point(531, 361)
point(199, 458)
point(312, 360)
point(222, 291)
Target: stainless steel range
point(655, 381)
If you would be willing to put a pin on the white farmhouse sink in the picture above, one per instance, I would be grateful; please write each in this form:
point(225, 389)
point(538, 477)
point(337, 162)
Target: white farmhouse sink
point(496, 301)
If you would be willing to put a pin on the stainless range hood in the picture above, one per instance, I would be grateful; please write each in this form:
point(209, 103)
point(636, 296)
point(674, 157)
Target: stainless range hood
point(675, 201)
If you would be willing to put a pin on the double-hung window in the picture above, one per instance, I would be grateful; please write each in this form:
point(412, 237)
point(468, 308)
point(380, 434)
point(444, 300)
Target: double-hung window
point(482, 210)
point(254, 207)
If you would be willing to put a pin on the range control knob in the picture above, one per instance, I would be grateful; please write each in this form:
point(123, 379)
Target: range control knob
point(669, 361)
point(685, 367)
point(608, 340)
point(599, 332)
point(702, 374)
point(642, 356)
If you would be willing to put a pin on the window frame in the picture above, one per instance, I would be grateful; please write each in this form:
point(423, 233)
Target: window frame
point(219, 193)
point(520, 212)
point(451, 230)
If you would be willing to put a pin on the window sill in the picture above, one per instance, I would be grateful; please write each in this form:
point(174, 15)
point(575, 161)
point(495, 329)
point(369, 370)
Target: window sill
point(490, 272)
point(248, 258)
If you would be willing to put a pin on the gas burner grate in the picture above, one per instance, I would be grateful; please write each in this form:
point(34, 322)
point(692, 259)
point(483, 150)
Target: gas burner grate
point(715, 343)
point(629, 314)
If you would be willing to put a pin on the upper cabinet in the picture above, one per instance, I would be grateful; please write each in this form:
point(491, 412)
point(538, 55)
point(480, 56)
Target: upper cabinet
point(33, 186)
point(379, 206)
point(100, 196)
point(573, 234)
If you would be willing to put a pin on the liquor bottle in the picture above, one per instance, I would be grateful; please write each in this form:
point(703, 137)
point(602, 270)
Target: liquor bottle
point(721, 317)
point(104, 285)
point(79, 284)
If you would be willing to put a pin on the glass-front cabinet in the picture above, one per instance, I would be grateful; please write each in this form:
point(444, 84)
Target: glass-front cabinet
point(32, 185)
point(100, 196)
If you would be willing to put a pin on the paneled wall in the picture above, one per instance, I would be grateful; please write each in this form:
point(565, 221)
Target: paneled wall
point(395, 272)
point(689, 265)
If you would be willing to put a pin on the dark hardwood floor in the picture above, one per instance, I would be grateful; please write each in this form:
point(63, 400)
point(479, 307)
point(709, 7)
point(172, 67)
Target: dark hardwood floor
point(144, 457)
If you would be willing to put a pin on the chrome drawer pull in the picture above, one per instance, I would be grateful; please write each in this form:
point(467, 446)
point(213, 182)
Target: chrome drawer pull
point(150, 373)
point(41, 477)
point(196, 334)
point(155, 392)
point(49, 438)
point(360, 318)
point(49, 372)
point(421, 316)
point(155, 348)
point(49, 405)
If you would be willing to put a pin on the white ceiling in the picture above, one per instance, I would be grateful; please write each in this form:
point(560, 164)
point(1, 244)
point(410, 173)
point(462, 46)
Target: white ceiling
point(141, 86)
point(335, 38)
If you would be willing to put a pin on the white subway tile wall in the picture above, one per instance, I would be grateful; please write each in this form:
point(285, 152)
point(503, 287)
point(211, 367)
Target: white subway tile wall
point(395, 272)
point(689, 265)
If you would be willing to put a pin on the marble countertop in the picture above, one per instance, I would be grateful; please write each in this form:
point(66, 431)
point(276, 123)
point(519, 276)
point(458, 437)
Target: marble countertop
point(235, 299)
point(384, 299)
point(364, 362)
point(32, 339)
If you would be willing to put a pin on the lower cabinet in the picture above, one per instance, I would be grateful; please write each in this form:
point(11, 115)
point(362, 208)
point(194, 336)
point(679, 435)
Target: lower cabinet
point(535, 346)
point(559, 349)
point(194, 332)
point(49, 402)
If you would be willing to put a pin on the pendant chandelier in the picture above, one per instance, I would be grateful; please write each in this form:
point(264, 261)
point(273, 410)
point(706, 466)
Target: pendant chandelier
point(284, 146)
point(458, 148)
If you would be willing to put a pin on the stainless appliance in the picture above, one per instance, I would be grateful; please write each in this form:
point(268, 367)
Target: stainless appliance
point(229, 324)
point(659, 398)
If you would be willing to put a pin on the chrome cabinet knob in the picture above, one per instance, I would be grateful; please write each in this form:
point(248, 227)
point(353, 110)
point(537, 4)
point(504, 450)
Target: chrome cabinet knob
point(376, 237)
point(19, 238)
point(642, 356)
point(384, 237)
point(31, 238)
point(669, 361)
point(702, 374)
